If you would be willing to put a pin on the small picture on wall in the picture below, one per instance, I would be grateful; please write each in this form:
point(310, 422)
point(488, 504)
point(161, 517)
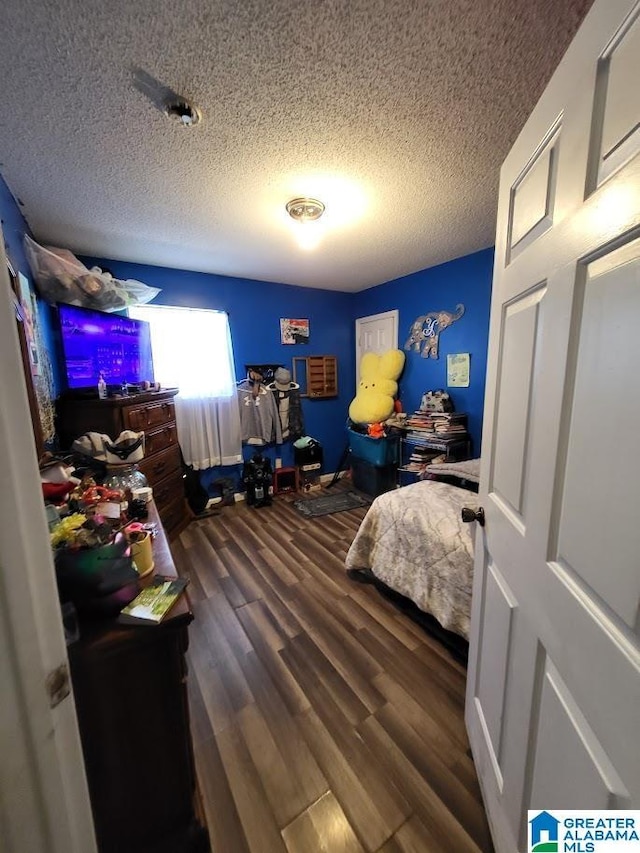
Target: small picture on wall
point(458, 370)
point(294, 331)
point(28, 306)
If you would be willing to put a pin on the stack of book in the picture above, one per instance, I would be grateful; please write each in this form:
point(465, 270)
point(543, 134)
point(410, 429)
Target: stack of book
point(420, 424)
point(449, 425)
point(419, 459)
point(436, 426)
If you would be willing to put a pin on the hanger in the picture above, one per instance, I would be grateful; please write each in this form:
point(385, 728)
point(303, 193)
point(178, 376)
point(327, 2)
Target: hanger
point(293, 386)
point(266, 371)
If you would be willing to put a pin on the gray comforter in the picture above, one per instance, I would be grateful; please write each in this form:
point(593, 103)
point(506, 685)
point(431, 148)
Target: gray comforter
point(414, 540)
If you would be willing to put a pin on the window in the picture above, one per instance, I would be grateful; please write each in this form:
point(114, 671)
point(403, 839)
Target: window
point(192, 351)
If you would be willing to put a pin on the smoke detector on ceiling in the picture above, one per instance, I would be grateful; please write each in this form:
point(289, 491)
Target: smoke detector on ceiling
point(183, 113)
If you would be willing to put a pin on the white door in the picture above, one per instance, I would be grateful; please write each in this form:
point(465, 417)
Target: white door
point(553, 696)
point(44, 804)
point(377, 333)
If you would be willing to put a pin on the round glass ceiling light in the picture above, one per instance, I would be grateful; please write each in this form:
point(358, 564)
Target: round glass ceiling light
point(305, 209)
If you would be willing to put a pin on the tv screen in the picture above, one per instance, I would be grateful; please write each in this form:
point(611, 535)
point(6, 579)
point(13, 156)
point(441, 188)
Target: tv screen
point(94, 342)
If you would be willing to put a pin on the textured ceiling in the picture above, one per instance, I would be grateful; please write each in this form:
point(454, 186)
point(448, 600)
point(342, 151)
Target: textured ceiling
point(396, 114)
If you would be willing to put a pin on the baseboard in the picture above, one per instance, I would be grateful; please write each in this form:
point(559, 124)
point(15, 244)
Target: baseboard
point(241, 496)
point(212, 503)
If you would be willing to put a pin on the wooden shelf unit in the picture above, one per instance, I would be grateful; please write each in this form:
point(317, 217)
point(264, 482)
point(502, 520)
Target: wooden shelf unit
point(317, 375)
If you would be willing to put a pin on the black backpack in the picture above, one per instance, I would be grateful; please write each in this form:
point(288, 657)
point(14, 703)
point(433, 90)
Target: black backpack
point(194, 491)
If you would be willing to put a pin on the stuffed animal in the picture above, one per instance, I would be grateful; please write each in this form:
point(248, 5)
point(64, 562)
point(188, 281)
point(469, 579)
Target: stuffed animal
point(57, 480)
point(378, 385)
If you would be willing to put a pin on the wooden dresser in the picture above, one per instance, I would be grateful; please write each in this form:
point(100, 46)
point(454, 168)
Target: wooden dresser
point(130, 692)
point(152, 413)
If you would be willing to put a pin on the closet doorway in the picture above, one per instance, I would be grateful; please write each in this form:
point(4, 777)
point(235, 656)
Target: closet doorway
point(377, 333)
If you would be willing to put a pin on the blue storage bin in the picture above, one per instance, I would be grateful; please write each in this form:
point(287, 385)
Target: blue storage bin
point(375, 451)
point(372, 479)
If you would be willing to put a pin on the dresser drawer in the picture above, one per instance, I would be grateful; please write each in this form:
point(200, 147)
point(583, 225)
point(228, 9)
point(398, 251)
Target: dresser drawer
point(150, 415)
point(174, 516)
point(161, 464)
point(159, 439)
point(168, 490)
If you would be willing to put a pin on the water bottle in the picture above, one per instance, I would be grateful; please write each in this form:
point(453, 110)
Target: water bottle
point(102, 388)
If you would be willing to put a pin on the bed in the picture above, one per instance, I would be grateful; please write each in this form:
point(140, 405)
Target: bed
point(414, 540)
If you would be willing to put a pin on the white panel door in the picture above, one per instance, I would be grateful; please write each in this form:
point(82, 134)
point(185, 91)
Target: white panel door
point(377, 333)
point(44, 801)
point(553, 693)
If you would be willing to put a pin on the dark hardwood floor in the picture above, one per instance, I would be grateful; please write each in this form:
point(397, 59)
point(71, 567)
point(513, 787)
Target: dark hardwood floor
point(324, 721)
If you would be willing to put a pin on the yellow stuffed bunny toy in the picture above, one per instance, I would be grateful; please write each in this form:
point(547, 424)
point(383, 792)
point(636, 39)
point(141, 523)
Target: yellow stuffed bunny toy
point(378, 386)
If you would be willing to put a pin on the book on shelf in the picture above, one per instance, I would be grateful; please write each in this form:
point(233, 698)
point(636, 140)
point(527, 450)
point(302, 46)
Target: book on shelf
point(151, 605)
point(432, 439)
point(435, 422)
point(413, 468)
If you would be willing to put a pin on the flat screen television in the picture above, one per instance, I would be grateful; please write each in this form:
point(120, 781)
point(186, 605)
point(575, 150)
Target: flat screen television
point(94, 343)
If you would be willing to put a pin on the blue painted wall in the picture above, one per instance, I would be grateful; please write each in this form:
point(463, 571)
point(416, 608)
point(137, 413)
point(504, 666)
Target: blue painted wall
point(14, 227)
point(466, 280)
point(255, 309)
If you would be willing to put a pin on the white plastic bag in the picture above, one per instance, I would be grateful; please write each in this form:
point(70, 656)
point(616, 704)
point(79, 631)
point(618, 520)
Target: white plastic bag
point(61, 277)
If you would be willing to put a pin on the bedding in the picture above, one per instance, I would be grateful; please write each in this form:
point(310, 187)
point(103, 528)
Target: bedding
point(468, 470)
point(414, 540)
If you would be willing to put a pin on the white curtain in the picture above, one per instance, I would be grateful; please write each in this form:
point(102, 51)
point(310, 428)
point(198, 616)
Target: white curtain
point(192, 351)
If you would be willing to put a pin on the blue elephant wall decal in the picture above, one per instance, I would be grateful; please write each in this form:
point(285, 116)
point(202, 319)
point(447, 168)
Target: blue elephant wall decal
point(425, 331)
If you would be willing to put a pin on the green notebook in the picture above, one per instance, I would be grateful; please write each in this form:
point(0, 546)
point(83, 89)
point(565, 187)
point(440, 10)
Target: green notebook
point(153, 603)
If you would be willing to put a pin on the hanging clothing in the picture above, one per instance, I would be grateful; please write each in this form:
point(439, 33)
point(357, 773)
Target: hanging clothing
point(259, 419)
point(289, 404)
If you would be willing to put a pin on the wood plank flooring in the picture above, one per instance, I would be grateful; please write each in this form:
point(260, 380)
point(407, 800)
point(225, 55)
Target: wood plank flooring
point(323, 719)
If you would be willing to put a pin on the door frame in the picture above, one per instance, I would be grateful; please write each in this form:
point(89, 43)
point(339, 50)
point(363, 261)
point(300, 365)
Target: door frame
point(46, 805)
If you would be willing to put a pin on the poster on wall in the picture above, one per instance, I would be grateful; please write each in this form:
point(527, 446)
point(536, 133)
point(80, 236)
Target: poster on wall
point(27, 303)
point(294, 331)
point(458, 370)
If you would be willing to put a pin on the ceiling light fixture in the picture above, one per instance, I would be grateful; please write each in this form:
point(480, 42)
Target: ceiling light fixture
point(305, 209)
point(183, 113)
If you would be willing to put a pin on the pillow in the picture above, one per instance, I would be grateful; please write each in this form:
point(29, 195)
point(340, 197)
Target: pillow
point(469, 470)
